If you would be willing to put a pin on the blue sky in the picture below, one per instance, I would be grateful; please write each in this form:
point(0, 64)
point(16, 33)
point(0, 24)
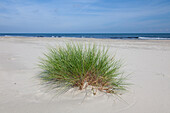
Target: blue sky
point(74, 16)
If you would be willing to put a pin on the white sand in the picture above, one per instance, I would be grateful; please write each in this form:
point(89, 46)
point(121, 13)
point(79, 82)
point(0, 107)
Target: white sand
point(147, 60)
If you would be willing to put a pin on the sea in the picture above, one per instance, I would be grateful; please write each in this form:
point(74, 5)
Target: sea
point(128, 36)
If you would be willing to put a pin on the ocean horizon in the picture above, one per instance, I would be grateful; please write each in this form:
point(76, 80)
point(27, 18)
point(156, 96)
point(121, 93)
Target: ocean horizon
point(142, 36)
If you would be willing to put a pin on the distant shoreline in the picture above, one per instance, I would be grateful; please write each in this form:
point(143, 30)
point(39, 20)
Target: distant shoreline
point(126, 36)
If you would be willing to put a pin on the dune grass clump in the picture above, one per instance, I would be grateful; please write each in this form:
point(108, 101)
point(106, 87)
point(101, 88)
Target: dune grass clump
point(78, 65)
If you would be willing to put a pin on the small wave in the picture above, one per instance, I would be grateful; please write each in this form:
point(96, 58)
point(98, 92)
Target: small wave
point(153, 38)
point(7, 36)
point(10, 36)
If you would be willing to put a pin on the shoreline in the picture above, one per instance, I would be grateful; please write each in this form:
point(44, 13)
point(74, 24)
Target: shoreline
point(84, 38)
point(117, 36)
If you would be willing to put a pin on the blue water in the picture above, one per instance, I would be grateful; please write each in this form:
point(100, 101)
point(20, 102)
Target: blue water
point(144, 36)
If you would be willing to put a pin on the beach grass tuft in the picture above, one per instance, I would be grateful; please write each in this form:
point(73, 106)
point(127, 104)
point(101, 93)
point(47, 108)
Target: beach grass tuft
point(82, 66)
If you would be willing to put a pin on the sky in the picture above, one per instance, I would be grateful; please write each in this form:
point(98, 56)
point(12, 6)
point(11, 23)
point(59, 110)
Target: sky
point(84, 16)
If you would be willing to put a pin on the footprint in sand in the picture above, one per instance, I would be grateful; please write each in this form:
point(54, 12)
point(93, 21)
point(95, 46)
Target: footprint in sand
point(13, 58)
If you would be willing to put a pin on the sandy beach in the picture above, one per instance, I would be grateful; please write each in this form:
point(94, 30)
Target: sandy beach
point(147, 62)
